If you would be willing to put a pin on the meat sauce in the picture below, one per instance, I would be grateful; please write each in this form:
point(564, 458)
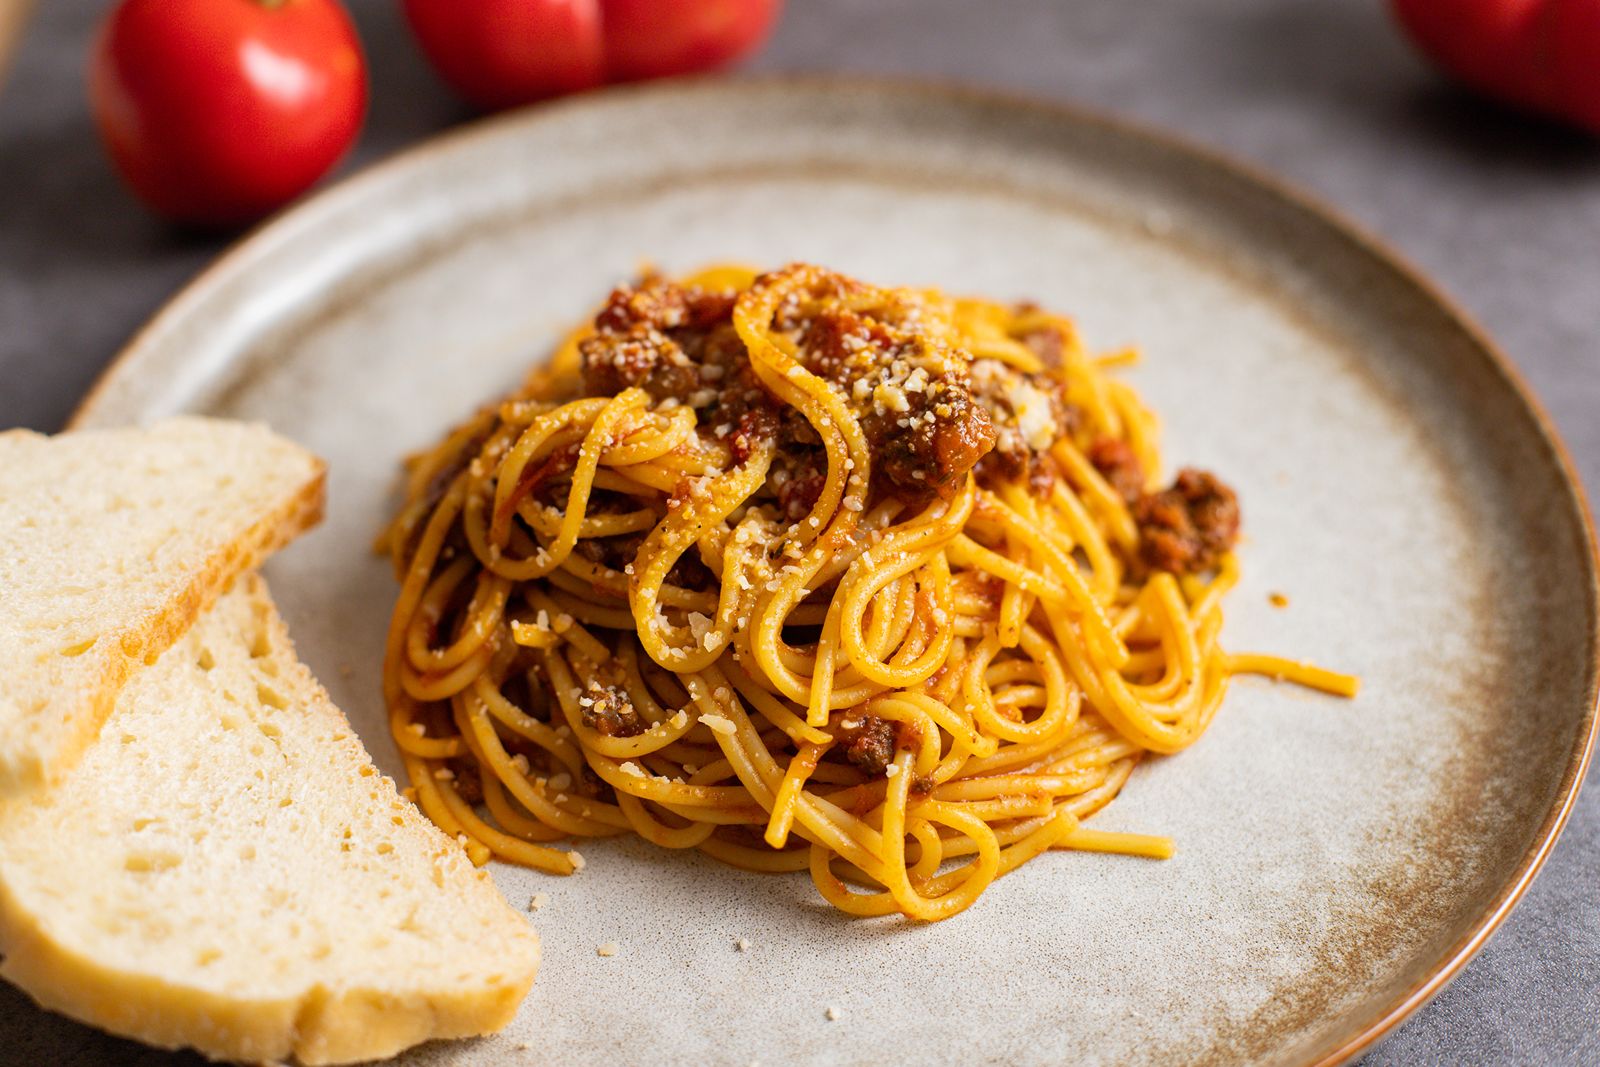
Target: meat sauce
point(607, 711)
point(868, 743)
point(915, 400)
point(931, 413)
point(1187, 528)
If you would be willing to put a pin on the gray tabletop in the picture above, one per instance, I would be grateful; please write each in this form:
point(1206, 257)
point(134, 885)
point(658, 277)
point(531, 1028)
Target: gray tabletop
point(1503, 212)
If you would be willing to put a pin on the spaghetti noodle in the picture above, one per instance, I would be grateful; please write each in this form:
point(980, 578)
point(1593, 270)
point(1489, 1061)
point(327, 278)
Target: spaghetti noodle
point(808, 574)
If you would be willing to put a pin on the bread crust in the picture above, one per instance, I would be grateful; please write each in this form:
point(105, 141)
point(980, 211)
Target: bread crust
point(25, 765)
point(35, 753)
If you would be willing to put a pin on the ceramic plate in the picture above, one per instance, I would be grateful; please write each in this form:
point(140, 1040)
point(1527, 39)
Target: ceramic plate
point(1336, 862)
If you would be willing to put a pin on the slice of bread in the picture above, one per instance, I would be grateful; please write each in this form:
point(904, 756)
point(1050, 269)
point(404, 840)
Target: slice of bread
point(225, 869)
point(111, 543)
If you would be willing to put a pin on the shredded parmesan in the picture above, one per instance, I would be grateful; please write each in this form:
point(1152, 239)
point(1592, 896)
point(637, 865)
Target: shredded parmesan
point(1034, 418)
point(720, 725)
point(890, 398)
point(698, 624)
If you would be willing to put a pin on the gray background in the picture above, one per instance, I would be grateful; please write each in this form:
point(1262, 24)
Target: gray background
point(1504, 212)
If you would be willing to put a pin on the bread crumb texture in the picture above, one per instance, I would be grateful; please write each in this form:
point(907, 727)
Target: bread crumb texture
point(114, 542)
point(225, 869)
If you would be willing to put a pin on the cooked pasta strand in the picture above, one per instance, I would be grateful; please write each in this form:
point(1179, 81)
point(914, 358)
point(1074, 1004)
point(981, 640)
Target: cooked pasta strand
point(809, 574)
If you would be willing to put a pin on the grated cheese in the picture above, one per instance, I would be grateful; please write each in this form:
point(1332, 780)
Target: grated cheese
point(1033, 415)
point(720, 725)
point(889, 397)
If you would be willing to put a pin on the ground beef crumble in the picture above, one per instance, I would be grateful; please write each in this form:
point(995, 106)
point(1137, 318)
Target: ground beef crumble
point(1030, 412)
point(607, 711)
point(468, 780)
point(868, 743)
point(1117, 463)
point(913, 396)
point(1187, 528)
point(677, 343)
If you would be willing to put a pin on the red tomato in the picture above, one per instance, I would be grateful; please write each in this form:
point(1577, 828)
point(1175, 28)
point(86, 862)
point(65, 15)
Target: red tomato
point(1540, 54)
point(663, 38)
point(1575, 48)
point(219, 111)
point(499, 53)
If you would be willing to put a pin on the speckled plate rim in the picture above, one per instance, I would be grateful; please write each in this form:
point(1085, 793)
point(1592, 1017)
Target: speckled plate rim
point(348, 192)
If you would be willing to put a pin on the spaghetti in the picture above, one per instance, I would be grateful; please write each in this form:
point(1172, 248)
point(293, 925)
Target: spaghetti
point(808, 574)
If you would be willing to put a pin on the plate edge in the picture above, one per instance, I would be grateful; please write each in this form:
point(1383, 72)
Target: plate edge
point(350, 187)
